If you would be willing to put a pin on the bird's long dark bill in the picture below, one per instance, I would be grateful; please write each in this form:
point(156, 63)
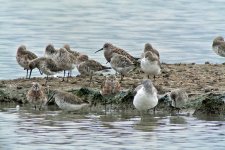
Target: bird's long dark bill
point(99, 50)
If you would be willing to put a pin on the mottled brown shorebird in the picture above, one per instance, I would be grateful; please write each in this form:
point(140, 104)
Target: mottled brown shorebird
point(89, 67)
point(109, 49)
point(50, 51)
point(45, 65)
point(110, 86)
point(65, 60)
point(219, 46)
point(121, 64)
point(62, 57)
point(148, 47)
point(23, 58)
point(68, 101)
point(73, 52)
point(36, 96)
point(178, 98)
point(74, 56)
point(150, 64)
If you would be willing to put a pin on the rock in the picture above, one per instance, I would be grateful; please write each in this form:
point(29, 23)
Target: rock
point(212, 105)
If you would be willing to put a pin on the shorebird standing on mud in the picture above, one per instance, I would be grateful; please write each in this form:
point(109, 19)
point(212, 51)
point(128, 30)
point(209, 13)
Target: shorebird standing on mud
point(109, 49)
point(121, 64)
point(178, 98)
point(74, 53)
point(150, 64)
point(36, 96)
point(68, 101)
point(146, 96)
point(89, 67)
point(148, 47)
point(23, 58)
point(219, 46)
point(45, 65)
point(110, 86)
point(62, 58)
point(65, 61)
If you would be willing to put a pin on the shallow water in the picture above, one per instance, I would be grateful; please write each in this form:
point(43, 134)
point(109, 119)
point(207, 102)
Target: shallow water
point(182, 31)
point(29, 129)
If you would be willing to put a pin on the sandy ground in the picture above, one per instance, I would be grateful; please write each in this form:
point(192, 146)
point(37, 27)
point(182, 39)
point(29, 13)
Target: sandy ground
point(196, 79)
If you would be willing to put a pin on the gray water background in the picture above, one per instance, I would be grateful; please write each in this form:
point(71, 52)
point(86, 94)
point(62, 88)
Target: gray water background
point(181, 30)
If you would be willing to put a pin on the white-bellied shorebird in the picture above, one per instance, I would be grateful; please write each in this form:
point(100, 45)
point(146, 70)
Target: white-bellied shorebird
point(148, 47)
point(36, 96)
point(68, 101)
point(146, 96)
point(23, 58)
point(150, 64)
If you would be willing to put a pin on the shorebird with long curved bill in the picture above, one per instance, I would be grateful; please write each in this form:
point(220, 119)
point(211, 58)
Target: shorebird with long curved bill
point(109, 49)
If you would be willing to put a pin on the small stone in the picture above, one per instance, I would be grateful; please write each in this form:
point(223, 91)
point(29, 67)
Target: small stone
point(19, 87)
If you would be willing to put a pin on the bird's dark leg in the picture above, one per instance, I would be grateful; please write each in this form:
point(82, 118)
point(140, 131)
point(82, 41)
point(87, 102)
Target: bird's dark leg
point(154, 110)
point(64, 75)
point(68, 75)
point(105, 105)
point(27, 74)
point(154, 77)
point(149, 76)
point(30, 73)
point(40, 71)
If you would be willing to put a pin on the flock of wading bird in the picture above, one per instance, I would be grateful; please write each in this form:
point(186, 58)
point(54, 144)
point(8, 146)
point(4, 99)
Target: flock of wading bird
point(65, 59)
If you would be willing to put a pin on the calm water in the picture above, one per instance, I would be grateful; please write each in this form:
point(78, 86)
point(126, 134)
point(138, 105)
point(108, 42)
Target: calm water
point(27, 129)
point(181, 30)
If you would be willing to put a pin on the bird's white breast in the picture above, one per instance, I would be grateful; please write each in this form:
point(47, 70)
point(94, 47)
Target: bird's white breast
point(150, 67)
point(144, 100)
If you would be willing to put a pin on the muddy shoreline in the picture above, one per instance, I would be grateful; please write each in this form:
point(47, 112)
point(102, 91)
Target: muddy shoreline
point(199, 81)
